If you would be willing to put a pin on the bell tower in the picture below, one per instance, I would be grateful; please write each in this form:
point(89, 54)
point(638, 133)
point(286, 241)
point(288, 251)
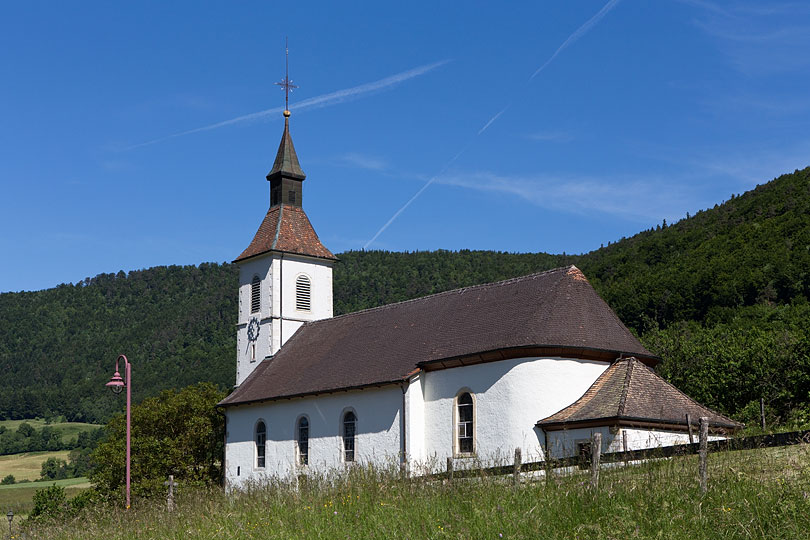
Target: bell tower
point(285, 273)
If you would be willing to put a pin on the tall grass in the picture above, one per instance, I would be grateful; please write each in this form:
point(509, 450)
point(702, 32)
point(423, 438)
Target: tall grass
point(752, 494)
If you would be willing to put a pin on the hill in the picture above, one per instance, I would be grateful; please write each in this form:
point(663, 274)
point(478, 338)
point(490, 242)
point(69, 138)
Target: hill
point(721, 295)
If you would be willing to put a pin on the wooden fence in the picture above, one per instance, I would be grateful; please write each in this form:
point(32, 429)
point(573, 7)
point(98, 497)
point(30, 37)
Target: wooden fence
point(702, 448)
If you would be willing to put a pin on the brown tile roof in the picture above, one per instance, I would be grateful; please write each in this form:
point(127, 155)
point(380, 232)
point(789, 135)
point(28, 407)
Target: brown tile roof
point(286, 228)
point(630, 392)
point(556, 309)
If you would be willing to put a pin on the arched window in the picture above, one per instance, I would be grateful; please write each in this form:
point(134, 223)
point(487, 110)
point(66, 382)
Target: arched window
point(261, 439)
point(302, 293)
point(303, 441)
point(349, 430)
point(255, 294)
point(464, 424)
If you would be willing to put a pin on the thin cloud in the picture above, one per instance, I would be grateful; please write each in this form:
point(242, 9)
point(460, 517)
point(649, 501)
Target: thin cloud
point(363, 161)
point(640, 199)
point(550, 136)
point(324, 100)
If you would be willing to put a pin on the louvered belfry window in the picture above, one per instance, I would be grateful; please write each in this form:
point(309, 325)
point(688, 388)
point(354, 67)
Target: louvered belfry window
point(302, 293)
point(255, 294)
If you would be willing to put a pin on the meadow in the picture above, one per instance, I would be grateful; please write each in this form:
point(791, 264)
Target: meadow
point(27, 466)
point(19, 497)
point(69, 430)
point(752, 494)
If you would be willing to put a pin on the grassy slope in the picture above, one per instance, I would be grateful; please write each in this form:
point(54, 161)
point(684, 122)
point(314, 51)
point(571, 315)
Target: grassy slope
point(69, 430)
point(756, 494)
point(19, 497)
point(27, 466)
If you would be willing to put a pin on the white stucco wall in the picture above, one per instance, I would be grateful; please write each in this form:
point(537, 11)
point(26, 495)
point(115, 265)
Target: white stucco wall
point(278, 317)
point(563, 443)
point(510, 396)
point(377, 441)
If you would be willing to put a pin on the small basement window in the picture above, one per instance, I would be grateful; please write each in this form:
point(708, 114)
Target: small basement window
point(302, 293)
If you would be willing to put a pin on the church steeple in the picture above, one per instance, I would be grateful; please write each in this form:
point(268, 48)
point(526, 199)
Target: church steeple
point(286, 176)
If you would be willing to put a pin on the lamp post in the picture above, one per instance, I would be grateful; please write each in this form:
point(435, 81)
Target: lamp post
point(10, 516)
point(117, 384)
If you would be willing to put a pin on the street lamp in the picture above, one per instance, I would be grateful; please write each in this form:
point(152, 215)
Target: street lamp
point(10, 516)
point(117, 385)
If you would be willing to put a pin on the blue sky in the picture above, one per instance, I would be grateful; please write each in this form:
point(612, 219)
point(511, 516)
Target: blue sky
point(641, 111)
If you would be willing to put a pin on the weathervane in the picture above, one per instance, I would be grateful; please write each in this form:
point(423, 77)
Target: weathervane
point(286, 83)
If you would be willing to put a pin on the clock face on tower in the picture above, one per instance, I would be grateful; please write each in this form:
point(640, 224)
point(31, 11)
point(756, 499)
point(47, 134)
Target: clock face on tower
point(253, 329)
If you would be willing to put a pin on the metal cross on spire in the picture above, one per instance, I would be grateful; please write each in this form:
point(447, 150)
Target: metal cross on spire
point(286, 83)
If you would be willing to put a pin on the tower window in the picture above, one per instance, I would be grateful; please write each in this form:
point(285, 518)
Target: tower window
point(261, 439)
point(291, 197)
point(464, 424)
point(302, 293)
point(349, 429)
point(303, 441)
point(255, 294)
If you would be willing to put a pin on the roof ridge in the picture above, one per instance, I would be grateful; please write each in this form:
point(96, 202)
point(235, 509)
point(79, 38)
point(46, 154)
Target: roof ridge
point(687, 396)
point(627, 376)
point(451, 291)
point(278, 226)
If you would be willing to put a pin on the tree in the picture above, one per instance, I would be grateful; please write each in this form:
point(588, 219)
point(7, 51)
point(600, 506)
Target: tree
point(53, 469)
point(8, 480)
point(178, 432)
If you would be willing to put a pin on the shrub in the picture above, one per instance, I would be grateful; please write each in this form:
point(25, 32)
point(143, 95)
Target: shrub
point(8, 480)
point(48, 502)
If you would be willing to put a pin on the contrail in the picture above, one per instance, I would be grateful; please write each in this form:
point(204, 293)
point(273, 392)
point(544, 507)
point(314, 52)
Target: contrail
point(416, 195)
point(581, 31)
point(491, 120)
point(323, 100)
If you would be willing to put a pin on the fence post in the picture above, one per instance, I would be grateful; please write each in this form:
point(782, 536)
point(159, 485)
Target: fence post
point(596, 453)
point(516, 471)
point(450, 470)
point(704, 453)
point(689, 423)
point(624, 446)
point(762, 412)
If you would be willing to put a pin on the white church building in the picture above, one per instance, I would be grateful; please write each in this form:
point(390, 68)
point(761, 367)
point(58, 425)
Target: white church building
point(538, 362)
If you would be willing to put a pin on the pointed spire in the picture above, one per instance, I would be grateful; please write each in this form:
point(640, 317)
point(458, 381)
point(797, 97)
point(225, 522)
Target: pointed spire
point(286, 164)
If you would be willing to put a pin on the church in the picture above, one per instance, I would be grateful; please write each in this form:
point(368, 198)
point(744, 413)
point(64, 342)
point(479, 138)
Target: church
point(538, 362)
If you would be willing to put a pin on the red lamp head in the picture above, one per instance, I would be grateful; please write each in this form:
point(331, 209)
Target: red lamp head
point(116, 383)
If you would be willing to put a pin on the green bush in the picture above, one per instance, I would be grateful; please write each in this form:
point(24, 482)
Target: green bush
point(8, 480)
point(48, 502)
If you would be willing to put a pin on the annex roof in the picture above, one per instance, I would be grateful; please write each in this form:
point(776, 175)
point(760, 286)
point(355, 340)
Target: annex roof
point(629, 392)
point(555, 312)
point(287, 229)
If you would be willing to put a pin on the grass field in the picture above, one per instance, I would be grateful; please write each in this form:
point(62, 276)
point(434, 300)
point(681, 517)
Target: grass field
point(752, 494)
point(27, 466)
point(69, 430)
point(18, 497)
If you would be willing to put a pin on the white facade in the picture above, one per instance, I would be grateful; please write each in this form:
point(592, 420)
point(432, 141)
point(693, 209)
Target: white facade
point(279, 312)
point(379, 427)
point(565, 443)
point(510, 396)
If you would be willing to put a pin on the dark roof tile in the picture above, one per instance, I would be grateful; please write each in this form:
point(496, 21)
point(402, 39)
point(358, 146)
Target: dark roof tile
point(557, 308)
point(630, 391)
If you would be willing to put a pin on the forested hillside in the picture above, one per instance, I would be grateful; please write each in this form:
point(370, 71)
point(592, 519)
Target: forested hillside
point(722, 296)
